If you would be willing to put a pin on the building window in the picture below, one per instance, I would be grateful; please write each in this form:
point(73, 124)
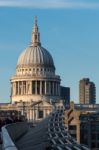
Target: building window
point(40, 114)
point(35, 37)
point(37, 69)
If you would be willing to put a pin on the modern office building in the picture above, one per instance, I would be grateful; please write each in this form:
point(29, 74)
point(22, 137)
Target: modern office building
point(65, 94)
point(87, 91)
point(82, 121)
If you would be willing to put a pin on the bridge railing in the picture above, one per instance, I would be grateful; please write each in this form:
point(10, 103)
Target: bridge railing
point(59, 137)
point(56, 134)
point(11, 132)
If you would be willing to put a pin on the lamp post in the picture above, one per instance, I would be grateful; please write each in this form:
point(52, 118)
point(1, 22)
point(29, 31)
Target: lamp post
point(52, 102)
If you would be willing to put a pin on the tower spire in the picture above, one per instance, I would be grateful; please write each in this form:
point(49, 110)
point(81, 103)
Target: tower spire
point(35, 21)
point(35, 34)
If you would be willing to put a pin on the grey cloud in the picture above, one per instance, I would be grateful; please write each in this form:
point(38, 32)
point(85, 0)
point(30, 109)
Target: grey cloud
point(51, 3)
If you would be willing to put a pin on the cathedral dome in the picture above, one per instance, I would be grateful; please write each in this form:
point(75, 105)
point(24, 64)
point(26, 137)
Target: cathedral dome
point(35, 54)
point(35, 77)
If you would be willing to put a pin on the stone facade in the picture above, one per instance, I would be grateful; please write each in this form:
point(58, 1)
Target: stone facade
point(87, 91)
point(35, 85)
point(33, 88)
point(83, 124)
point(35, 77)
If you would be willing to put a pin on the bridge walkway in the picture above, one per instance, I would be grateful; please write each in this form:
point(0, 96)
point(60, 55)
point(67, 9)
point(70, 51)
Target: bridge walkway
point(36, 138)
point(49, 134)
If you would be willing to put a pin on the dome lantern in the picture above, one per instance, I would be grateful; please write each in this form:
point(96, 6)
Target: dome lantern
point(35, 35)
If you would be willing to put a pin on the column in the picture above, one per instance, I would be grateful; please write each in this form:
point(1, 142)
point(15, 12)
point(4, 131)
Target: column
point(15, 88)
point(44, 113)
point(49, 88)
point(18, 87)
point(40, 87)
point(36, 113)
point(22, 89)
point(53, 87)
point(26, 87)
point(12, 88)
point(59, 89)
point(78, 132)
point(45, 88)
point(30, 87)
point(31, 114)
point(27, 114)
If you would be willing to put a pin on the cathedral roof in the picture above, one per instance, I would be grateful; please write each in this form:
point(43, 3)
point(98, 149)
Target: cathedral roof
point(35, 54)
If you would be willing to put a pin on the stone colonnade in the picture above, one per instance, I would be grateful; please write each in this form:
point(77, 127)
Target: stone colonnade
point(34, 114)
point(36, 88)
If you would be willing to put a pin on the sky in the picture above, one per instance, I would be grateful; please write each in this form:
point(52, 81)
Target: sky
point(69, 30)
